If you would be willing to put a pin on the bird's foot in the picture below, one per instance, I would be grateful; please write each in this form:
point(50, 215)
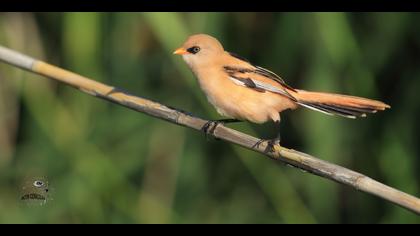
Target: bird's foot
point(209, 127)
point(270, 144)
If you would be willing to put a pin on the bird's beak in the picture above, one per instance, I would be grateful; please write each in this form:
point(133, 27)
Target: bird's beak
point(180, 51)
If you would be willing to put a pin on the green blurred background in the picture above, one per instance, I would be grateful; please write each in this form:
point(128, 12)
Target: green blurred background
point(108, 164)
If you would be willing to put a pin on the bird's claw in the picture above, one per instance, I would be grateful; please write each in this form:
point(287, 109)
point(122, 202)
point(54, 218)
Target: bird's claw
point(270, 144)
point(209, 128)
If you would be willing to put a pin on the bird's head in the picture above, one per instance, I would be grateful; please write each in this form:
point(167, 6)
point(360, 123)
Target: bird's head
point(200, 50)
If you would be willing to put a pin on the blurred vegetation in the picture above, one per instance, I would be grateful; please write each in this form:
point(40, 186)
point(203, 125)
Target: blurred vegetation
point(109, 164)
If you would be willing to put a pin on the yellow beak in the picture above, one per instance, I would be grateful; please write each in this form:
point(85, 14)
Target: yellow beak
point(180, 51)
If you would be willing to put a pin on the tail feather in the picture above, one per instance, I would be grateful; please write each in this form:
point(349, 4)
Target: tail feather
point(337, 104)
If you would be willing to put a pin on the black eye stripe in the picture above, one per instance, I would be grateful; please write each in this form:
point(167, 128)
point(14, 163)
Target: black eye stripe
point(193, 49)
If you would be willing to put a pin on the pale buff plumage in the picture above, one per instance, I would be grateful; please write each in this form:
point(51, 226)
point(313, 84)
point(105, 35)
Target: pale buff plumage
point(233, 99)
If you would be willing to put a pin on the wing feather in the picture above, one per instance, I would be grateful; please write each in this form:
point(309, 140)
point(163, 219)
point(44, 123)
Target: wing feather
point(247, 77)
point(264, 72)
point(260, 86)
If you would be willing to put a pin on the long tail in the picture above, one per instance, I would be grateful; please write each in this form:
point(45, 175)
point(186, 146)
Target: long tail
point(337, 104)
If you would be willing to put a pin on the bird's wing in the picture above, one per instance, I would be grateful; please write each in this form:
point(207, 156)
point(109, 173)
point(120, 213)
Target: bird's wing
point(250, 78)
point(254, 77)
point(262, 71)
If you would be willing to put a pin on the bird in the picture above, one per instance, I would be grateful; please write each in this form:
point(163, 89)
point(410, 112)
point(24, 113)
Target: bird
point(242, 91)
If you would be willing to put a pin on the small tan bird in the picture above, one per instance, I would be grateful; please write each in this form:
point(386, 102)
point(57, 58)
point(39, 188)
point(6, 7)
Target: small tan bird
point(243, 91)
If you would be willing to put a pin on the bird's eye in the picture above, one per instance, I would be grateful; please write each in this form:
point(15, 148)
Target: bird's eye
point(193, 50)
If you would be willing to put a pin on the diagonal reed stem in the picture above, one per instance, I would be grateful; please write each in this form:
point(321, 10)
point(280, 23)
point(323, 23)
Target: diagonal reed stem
point(289, 156)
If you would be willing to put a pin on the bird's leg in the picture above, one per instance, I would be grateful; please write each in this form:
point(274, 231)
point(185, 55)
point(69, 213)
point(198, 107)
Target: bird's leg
point(270, 142)
point(210, 126)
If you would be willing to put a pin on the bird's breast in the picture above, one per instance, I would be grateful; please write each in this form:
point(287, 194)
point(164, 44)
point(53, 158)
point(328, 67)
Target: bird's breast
point(212, 85)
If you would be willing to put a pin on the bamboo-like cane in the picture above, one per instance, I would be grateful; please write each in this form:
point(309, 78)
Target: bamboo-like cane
point(297, 159)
